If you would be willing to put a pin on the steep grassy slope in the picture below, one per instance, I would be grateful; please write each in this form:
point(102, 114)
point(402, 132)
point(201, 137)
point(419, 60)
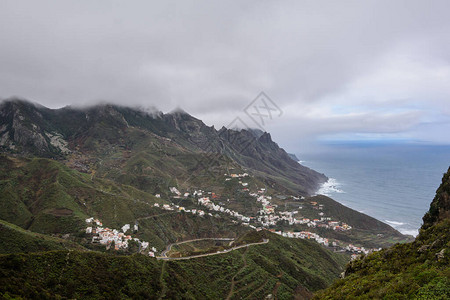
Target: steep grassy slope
point(253, 272)
point(44, 196)
point(417, 270)
point(16, 240)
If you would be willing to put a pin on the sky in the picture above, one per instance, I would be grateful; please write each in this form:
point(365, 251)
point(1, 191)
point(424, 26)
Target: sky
point(330, 71)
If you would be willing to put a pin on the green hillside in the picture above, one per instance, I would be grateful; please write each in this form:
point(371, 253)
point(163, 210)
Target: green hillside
point(44, 196)
point(299, 267)
point(16, 240)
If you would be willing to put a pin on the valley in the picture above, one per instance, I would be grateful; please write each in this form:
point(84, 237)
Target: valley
point(178, 200)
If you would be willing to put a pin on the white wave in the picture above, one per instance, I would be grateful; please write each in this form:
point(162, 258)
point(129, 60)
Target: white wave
point(394, 223)
point(329, 187)
point(301, 161)
point(413, 232)
point(400, 227)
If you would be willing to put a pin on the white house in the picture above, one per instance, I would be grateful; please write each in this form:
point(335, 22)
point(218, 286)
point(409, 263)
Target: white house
point(125, 227)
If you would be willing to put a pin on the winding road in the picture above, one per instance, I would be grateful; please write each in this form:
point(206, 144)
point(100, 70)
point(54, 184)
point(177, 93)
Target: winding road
point(169, 247)
point(164, 253)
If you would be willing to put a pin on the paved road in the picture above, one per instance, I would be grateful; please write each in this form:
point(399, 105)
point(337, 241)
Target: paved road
point(265, 241)
point(158, 215)
point(169, 247)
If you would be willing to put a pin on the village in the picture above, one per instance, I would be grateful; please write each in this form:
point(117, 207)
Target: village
point(267, 217)
point(117, 238)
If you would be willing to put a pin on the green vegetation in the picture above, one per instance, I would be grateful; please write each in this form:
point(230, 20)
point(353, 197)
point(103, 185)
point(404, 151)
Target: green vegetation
point(198, 247)
point(44, 196)
point(406, 271)
point(440, 207)
point(47, 197)
point(254, 271)
point(16, 240)
point(72, 274)
point(170, 227)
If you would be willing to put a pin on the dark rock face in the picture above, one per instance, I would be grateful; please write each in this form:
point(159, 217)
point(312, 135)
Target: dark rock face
point(21, 128)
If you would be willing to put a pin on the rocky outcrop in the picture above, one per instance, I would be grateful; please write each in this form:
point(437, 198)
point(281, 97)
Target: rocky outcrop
point(440, 207)
point(20, 132)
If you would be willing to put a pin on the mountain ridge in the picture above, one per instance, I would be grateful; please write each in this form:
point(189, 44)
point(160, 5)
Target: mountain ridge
point(33, 129)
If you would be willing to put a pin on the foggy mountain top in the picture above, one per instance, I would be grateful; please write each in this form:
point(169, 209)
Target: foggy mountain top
point(336, 70)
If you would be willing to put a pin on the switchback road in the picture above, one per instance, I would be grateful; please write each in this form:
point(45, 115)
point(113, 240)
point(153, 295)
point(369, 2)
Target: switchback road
point(164, 257)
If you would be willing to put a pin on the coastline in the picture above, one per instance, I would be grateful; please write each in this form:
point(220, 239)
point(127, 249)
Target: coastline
point(332, 186)
point(392, 183)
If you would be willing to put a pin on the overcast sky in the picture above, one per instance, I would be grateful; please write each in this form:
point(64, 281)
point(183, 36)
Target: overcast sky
point(338, 70)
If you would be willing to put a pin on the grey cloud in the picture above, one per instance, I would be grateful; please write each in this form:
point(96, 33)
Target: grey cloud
point(213, 58)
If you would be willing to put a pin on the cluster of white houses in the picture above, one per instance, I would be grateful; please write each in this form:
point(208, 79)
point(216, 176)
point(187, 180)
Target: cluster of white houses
point(266, 216)
point(237, 175)
point(324, 241)
point(174, 207)
point(265, 220)
point(359, 250)
point(304, 235)
point(108, 237)
point(205, 201)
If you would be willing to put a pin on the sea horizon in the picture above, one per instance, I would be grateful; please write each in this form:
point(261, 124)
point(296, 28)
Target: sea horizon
point(394, 183)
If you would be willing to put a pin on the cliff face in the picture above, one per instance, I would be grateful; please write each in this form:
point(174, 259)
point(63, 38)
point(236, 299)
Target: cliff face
point(417, 270)
point(31, 129)
point(440, 207)
point(20, 128)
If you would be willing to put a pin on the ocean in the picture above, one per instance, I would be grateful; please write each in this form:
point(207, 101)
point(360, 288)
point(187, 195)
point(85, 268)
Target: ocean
point(392, 183)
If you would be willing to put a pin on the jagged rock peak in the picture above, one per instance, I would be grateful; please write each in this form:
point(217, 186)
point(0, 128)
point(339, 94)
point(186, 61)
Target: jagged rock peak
point(178, 110)
point(265, 138)
point(256, 132)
